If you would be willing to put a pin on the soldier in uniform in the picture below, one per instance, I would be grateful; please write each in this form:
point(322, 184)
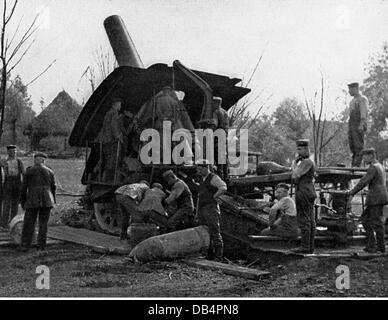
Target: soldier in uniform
point(303, 170)
point(208, 210)
point(372, 217)
point(111, 138)
point(37, 198)
point(357, 126)
point(127, 199)
point(282, 215)
point(13, 177)
point(221, 120)
point(181, 194)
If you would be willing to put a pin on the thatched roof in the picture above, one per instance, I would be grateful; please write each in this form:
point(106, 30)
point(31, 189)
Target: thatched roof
point(58, 117)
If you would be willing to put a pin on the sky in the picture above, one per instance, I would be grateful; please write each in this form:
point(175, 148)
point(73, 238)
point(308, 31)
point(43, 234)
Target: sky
point(299, 41)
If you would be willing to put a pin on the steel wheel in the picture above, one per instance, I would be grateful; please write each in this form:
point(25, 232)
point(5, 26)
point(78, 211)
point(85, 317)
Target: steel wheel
point(108, 217)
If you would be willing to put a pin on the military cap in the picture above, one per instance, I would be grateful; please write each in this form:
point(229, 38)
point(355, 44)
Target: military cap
point(302, 142)
point(353, 85)
point(368, 151)
point(40, 155)
point(217, 100)
point(168, 173)
point(157, 185)
point(202, 162)
point(11, 146)
point(283, 186)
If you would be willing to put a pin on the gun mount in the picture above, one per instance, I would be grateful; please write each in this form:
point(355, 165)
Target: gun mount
point(140, 90)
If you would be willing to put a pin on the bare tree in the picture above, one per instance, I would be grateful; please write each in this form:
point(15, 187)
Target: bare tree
point(105, 63)
point(13, 49)
point(239, 114)
point(319, 123)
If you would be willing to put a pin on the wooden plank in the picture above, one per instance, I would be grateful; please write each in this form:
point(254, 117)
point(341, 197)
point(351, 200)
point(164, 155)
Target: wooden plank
point(97, 241)
point(228, 268)
point(327, 253)
point(10, 243)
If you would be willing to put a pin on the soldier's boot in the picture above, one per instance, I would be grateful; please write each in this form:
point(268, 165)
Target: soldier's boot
point(304, 243)
point(210, 254)
point(312, 240)
point(219, 253)
point(370, 238)
point(380, 233)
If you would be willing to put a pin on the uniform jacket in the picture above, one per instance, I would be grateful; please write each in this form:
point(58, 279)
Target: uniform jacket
point(4, 165)
point(38, 189)
point(110, 131)
point(375, 179)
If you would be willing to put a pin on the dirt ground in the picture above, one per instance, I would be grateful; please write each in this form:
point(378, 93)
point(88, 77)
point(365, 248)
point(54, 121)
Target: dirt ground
point(76, 271)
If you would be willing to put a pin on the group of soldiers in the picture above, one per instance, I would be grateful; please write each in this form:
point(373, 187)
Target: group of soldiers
point(291, 219)
point(119, 136)
point(140, 202)
point(34, 189)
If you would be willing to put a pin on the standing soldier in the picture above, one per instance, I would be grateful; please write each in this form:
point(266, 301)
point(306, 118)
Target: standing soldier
point(111, 138)
point(303, 170)
point(13, 178)
point(208, 209)
point(372, 217)
point(358, 115)
point(221, 119)
point(37, 198)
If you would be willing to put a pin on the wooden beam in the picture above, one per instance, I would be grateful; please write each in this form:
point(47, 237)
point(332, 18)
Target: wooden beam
point(97, 241)
point(238, 271)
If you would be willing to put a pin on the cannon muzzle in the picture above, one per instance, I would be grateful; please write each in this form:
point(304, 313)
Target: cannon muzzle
point(122, 44)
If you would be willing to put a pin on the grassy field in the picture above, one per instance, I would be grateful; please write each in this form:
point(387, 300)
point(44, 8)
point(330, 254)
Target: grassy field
point(68, 173)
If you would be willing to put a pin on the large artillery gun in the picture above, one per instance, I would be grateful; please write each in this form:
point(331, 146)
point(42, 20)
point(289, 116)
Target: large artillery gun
point(140, 90)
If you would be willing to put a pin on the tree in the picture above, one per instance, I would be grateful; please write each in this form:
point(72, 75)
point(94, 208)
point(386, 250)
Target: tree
point(375, 87)
point(239, 115)
point(291, 116)
point(323, 130)
point(105, 63)
point(271, 140)
point(18, 111)
point(13, 50)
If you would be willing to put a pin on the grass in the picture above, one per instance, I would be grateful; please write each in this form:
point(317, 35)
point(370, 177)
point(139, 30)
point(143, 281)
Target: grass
point(68, 173)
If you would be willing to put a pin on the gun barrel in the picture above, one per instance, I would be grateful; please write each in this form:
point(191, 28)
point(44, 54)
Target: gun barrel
point(122, 44)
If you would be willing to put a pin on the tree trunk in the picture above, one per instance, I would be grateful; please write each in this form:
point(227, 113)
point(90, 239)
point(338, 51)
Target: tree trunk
point(13, 130)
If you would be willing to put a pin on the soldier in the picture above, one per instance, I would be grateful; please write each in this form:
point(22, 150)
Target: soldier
point(303, 170)
point(13, 177)
point(208, 210)
point(372, 217)
point(282, 215)
point(127, 199)
point(111, 138)
point(37, 198)
point(221, 120)
point(357, 126)
point(181, 194)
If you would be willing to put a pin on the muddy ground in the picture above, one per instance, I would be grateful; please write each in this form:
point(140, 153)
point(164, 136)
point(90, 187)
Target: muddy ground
point(76, 271)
